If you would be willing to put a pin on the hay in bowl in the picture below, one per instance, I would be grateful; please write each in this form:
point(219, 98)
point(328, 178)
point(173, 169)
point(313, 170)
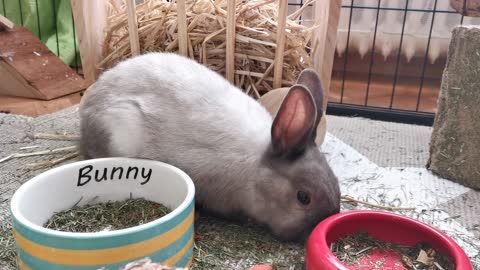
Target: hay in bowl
point(167, 239)
point(360, 250)
point(388, 236)
point(107, 216)
point(255, 40)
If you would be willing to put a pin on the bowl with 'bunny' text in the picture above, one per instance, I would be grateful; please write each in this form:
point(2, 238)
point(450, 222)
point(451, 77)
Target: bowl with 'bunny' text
point(167, 239)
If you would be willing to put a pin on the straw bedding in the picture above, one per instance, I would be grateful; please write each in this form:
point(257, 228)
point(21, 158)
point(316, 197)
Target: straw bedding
point(255, 39)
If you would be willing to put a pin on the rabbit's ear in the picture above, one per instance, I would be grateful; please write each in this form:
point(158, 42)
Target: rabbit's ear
point(294, 123)
point(310, 79)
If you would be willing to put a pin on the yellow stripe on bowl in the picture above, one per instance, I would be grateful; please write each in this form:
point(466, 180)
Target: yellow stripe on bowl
point(104, 256)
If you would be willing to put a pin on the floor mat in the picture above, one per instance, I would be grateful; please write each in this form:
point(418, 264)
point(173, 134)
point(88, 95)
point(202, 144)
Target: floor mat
point(417, 188)
point(377, 162)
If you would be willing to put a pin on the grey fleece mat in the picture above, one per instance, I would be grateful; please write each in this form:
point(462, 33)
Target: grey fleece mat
point(384, 150)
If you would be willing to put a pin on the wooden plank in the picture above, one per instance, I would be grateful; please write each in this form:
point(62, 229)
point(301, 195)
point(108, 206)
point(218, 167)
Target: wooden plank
point(326, 15)
point(380, 93)
point(133, 28)
point(35, 107)
point(357, 64)
point(32, 63)
point(230, 50)
point(280, 50)
point(182, 27)
point(5, 24)
point(230, 40)
point(15, 85)
point(90, 20)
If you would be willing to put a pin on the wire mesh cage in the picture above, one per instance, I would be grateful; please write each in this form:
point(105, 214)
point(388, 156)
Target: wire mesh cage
point(390, 57)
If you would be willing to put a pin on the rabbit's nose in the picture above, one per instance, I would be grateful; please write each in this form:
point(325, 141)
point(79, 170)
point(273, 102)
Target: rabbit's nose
point(332, 211)
point(336, 206)
point(333, 208)
point(336, 210)
point(333, 203)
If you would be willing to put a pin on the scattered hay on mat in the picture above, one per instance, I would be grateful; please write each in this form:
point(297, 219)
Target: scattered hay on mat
point(256, 35)
point(146, 264)
point(230, 245)
point(8, 254)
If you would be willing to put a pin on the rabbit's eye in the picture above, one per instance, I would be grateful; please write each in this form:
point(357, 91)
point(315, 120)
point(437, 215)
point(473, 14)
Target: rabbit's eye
point(303, 197)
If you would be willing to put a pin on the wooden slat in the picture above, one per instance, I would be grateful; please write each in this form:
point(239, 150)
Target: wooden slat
point(133, 28)
point(279, 51)
point(13, 84)
point(90, 21)
point(230, 50)
point(326, 15)
point(182, 27)
point(5, 23)
point(35, 107)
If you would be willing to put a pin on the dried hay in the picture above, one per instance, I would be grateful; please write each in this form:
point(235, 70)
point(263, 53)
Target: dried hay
point(255, 40)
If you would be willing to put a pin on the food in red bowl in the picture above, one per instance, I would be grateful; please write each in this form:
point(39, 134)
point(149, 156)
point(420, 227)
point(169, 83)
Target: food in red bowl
point(394, 230)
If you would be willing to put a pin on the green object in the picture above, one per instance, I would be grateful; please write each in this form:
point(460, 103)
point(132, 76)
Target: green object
point(50, 20)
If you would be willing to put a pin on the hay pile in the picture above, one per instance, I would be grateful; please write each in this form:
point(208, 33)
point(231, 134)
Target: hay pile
point(256, 35)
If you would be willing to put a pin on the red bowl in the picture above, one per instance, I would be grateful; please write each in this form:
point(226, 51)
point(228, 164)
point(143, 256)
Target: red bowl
point(384, 226)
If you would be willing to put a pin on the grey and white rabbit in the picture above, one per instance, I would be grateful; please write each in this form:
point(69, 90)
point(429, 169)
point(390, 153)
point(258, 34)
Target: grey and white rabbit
point(167, 107)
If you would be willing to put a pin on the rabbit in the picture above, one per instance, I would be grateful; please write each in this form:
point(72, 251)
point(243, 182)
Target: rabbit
point(272, 101)
point(243, 162)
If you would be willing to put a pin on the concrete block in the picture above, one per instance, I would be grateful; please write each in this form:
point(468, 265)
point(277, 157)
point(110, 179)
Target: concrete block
point(455, 141)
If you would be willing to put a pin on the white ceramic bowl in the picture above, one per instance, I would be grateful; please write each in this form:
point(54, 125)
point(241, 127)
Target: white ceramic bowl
point(167, 240)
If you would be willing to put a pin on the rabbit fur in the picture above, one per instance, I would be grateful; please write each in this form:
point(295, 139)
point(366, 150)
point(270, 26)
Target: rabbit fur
point(244, 162)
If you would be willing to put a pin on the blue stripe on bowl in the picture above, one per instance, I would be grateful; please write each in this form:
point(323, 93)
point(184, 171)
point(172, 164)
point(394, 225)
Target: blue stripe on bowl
point(101, 242)
point(184, 260)
point(162, 255)
point(174, 248)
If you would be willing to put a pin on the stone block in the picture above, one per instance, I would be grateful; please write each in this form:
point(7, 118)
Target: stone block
point(455, 141)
